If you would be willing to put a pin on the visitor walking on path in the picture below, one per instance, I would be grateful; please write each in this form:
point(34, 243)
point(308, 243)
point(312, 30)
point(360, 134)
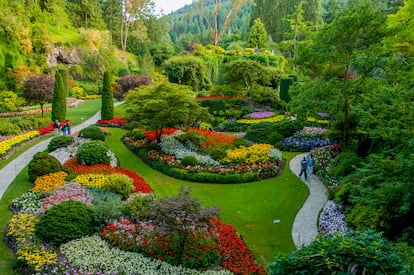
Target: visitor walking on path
point(303, 167)
point(305, 229)
point(310, 164)
point(56, 127)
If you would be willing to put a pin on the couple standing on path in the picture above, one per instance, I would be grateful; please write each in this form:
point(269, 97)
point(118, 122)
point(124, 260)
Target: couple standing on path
point(65, 128)
point(306, 166)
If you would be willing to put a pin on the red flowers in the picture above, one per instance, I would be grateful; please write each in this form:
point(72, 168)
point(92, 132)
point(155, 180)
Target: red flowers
point(152, 135)
point(72, 166)
point(236, 256)
point(116, 121)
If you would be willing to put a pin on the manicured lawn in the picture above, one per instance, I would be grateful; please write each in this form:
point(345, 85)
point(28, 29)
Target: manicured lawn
point(84, 111)
point(250, 207)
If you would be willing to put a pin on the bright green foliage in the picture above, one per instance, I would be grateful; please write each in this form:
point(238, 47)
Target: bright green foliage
point(43, 164)
point(8, 128)
point(59, 142)
point(59, 99)
point(353, 253)
point(8, 100)
point(163, 106)
point(258, 36)
point(120, 184)
point(64, 222)
point(93, 132)
point(92, 152)
point(188, 70)
point(107, 109)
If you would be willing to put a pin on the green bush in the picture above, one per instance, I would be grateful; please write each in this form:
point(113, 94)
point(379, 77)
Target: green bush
point(260, 132)
point(137, 207)
point(43, 164)
point(189, 161)
point(107, 206)
point(93, 132)
point(344, 164)
point(274, 139)
point(194, 137)
point(7, 129)
point(59, 142)
point(120, 184)
point(93, 152)
point(64, 222)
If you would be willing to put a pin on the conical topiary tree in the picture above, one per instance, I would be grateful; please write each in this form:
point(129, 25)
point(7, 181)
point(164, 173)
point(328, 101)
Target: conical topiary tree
point(107, 108)
point(258, 36)
point(65, 77)
point(59, 99)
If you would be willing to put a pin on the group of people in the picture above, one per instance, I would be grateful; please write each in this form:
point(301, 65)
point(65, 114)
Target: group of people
point(306, 166)
point(65, 128)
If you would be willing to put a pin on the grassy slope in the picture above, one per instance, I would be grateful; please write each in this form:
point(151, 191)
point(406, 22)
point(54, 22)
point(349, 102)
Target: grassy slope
point(250, 207)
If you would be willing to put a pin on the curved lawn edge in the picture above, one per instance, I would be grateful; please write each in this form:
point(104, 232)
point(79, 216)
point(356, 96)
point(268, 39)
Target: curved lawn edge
point(251, 208)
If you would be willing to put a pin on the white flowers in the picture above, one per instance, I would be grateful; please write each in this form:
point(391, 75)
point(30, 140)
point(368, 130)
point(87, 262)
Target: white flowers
point(93, 253)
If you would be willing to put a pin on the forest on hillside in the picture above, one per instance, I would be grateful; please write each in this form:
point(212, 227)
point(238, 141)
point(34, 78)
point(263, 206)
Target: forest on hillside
point(349, 62)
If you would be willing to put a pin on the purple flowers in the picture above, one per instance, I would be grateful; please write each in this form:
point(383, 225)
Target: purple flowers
point(304, 144)
point(332, 219)
point(258, 115)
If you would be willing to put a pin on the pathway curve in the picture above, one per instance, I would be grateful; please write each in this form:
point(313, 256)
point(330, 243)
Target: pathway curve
point(305, 228)
point(11, 170)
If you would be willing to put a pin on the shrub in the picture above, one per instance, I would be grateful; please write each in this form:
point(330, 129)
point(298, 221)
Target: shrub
point(43, 164)
point(64, 222)
point(7, 129)
point(137, 206)
point(120, 184)
point(260, 132)
point(107, 206)
point(93, 132)
point(92, 152)
point(344, 164)
point(59, 142)
point(189, 161)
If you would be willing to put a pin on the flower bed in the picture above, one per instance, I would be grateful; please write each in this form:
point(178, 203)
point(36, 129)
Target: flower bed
point(117, 121)
point(230, 164)
point(332, 219)
point(10, 143)
point(304, 144)
point(277, 118)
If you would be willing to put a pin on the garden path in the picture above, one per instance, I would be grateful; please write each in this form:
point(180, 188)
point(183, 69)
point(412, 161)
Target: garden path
point(11, 170)
point(305, 228)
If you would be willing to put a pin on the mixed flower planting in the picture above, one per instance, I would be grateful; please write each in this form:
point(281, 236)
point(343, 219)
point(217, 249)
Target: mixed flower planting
point(9, 143)
point(95, 219)
point(205, 152)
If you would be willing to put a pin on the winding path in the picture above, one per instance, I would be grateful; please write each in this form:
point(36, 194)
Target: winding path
point(304, 228)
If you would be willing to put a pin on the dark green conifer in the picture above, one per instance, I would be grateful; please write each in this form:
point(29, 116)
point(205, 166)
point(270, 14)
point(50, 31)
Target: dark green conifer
point(107, 108)
point(59, 99)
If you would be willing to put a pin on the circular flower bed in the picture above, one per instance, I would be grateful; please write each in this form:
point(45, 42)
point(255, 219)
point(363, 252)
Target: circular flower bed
point(206, 156)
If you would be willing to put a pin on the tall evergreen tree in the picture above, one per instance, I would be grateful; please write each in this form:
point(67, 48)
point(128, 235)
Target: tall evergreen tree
point(65, 77)
point(107, 108)
point(59, 99)
point(258, 36)
point(274, 13)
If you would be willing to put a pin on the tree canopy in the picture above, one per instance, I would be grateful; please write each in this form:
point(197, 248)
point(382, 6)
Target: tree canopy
point(163, 106)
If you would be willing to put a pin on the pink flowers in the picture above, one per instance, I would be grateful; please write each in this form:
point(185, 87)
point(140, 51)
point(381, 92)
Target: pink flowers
point(258, 115)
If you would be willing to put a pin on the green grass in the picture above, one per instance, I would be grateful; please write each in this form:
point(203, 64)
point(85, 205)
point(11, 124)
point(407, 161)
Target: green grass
point(250, 207)
point(84, 111)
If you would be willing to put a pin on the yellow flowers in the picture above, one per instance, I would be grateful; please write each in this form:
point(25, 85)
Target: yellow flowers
point(8, 144)
point(49, 182)
point(21, 228)
point(255, 154)
point(277, 118)
point(92, 180)
point(320, 121)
